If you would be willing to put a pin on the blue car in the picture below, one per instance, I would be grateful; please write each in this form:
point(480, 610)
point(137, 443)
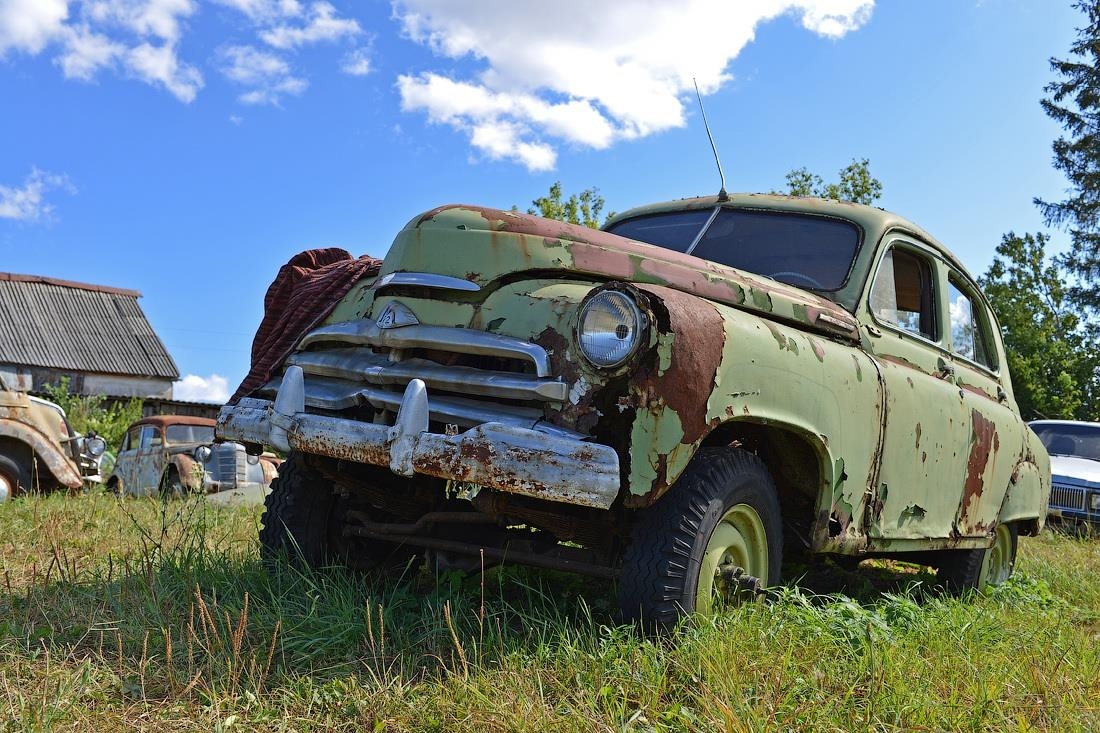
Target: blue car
point(1074, 449)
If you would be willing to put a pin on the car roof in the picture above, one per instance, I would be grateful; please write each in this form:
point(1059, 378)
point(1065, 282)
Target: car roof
point(166, 420)
point(1065, 422)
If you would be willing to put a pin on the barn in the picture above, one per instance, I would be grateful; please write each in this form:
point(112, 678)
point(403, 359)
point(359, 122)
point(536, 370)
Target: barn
point(96, 336)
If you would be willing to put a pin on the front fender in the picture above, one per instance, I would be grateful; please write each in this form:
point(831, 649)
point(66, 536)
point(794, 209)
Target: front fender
point(47, 452)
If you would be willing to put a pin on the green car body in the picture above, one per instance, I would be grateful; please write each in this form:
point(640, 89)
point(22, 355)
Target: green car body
point(883, 430)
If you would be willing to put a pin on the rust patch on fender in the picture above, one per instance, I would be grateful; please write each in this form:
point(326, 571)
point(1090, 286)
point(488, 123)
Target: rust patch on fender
point(983, 442)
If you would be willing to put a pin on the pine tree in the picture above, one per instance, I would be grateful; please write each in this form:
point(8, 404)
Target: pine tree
point(1074, 101)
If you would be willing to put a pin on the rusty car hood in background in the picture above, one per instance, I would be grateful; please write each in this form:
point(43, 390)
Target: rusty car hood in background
point(483, 246)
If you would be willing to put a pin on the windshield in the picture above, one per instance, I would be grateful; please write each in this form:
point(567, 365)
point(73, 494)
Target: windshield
point(1082, 441)
point(811, 252)
point(190, 434)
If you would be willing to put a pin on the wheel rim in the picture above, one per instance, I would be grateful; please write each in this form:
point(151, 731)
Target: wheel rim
point(997, 565)
point(738, 540)
point(7, 487)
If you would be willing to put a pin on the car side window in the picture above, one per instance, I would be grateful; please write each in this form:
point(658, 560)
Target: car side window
point(903, 293)
point(969, 338)
point(149, 437)
point(132, 439)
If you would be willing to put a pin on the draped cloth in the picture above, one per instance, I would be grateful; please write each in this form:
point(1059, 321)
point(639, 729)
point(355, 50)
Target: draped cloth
point(303, 294)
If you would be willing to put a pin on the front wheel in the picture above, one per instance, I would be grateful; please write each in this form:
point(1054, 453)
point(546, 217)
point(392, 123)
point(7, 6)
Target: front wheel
point(963, 570)
point(715, 537)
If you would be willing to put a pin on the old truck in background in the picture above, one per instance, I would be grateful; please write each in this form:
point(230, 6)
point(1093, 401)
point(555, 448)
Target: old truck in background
point(39, 450)
point(675, 401)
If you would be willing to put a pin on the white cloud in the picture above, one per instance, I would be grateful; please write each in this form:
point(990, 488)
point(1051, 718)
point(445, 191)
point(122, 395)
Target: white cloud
point(265, 10)
point(159, 18)
point(322, 25)
point(193, 388)
point(161, 65)
point(268, 75)
point(86, 52)
point(27, 202)
point(357, 63)
point(28, 25)
point(623, 73)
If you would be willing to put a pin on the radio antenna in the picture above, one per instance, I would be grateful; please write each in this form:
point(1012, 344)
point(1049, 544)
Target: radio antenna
point(722, 195)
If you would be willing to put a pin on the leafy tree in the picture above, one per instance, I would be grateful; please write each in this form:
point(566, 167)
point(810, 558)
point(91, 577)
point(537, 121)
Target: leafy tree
point(856, 184)
point(1053, 360)
point(1074, 102)
point(583, 208)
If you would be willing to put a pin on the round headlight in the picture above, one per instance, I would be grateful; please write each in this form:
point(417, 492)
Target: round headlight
point(95, 446)
point(202, 453)
point(610, 328)
point(252, 460)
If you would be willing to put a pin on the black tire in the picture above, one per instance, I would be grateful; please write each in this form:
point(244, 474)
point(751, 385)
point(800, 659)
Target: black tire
point(15, 467)
point(303, 521)
point(297, 514)
point(660, 576)
point(171, 487)
point(960, 571)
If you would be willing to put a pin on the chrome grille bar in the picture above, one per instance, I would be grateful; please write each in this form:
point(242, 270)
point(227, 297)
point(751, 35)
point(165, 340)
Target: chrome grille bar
point(365, 332)
point(362, 365)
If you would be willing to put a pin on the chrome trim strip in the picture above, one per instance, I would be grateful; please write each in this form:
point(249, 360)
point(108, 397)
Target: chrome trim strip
point(362, 365)
point(365, 332)
point(427, 280)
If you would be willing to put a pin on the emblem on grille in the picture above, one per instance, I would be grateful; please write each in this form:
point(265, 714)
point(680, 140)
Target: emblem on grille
point(396, 315)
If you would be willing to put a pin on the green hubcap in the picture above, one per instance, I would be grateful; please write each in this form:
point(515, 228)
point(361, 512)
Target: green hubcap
point(997, 565)
point(738, 541)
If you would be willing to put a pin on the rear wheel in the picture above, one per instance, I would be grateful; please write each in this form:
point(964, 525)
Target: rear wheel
point(715, 537)
point(964, 570)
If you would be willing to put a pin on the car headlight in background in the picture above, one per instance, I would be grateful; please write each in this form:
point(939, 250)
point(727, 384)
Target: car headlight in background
point(95, 445)
point(202, 453)
point(610, 328)
point(1094, 501)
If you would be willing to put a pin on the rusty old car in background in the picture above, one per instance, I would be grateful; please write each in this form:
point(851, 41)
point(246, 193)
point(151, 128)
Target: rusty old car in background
point(675, 401)
point(39, 450)
point(171, 455)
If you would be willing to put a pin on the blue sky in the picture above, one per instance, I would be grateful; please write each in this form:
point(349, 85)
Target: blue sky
point(187, 149)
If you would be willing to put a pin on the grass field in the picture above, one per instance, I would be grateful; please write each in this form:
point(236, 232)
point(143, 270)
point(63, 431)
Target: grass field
point(143, 617)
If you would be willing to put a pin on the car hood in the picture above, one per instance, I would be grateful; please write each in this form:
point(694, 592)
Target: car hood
point(1075, 470)
point(484, 246)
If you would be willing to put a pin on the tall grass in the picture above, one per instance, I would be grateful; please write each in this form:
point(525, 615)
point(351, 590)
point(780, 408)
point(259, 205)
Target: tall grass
point(144, 615)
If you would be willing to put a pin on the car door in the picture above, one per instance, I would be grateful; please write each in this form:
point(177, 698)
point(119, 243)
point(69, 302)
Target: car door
point(125, 461)
point(149, 461)
point(996, 429)
point(924, 442)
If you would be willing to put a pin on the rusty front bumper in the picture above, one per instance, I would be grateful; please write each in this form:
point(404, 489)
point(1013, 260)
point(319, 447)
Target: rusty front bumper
point(495, 455)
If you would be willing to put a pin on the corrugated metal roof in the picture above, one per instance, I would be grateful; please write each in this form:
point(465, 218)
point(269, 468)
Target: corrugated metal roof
point(75, 326)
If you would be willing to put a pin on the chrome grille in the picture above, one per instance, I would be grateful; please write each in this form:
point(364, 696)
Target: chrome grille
point(228, 464)
point(357, 363)
point(1065, 497)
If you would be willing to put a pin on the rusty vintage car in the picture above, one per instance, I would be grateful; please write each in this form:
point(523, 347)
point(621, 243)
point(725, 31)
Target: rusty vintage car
point(172, 455)
point(676, 401)
point(39, 450)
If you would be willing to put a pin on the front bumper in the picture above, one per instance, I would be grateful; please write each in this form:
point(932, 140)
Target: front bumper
point(493, 454)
